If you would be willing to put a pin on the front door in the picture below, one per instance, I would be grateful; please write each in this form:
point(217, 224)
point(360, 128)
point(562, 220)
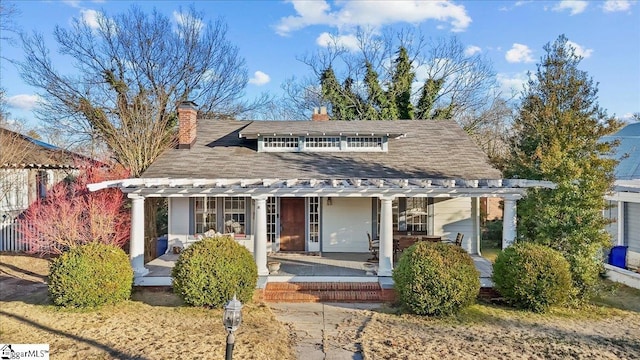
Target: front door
point(292, 224)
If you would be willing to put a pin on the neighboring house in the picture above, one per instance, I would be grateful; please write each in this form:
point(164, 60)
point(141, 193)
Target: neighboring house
point(625, 199)
point(319, 186)
point(28, 168)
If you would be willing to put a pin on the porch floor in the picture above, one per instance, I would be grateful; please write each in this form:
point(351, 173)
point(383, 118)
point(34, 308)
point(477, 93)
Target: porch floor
point(315, 264)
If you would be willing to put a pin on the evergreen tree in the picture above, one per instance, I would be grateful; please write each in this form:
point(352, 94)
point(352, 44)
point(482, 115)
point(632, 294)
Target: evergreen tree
point(400, 89)
point(428, 98)
point(557, 138)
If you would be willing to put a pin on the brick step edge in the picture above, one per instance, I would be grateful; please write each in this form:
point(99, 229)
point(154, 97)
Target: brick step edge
point(375, 296)
point(323, 286)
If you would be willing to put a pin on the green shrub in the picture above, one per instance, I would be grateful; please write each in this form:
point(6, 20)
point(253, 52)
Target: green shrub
point(90, 275)
point(211, 271)
point(532, 276)
point(436, 279)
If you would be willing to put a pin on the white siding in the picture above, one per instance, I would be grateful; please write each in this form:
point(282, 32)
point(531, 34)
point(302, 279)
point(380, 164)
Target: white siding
point(345, 224)
point(632, 233)
point(179, 221)
point(453, 216)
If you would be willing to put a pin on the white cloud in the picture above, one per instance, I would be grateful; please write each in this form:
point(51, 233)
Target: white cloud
point(183, 19)
point(575, 6)
point(372, 14)
point(512, 84)
point(472, 50)
point(616, 5)
point(519, 53)
point(72, 3)
point(90, 17)
point(580, 51)
point(349, 42)
point(259, 78)
point(23, 101)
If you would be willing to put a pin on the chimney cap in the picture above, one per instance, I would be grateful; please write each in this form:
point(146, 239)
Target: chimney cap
point(187, 104)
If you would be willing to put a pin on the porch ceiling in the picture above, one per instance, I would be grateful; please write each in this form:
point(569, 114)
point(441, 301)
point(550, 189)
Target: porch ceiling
point(165, 187)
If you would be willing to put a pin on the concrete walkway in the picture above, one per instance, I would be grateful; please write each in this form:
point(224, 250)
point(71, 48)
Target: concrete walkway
point(325, 330)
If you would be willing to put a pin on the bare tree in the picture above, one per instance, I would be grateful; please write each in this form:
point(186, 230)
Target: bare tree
point(466, 82)
point(131, 70)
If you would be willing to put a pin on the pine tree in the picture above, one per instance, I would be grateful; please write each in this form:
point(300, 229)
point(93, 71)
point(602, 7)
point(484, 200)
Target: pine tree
point(557, 138)
point(400, 89)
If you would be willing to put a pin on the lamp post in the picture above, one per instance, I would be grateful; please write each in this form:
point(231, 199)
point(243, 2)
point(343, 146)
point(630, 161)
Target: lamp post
point(231, 318)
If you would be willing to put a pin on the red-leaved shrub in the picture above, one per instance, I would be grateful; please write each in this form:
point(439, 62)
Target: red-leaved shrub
point(70, 215)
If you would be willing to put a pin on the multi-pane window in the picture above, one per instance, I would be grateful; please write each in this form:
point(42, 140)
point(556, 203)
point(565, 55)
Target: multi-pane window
point(271, 219)
point(314, 219)
point(417, 214)
point(364, 142)
point(205, 214)
point(323, 142)
point(280, 142)
point(234, 214)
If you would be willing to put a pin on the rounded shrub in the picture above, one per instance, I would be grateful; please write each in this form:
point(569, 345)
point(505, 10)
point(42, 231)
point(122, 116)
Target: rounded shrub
point(532, 276)
point(436, 279)
point(212, 270)
point(90, 275)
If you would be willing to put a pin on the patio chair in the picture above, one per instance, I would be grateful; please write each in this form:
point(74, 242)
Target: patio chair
point(459, 239)
point(374, 247)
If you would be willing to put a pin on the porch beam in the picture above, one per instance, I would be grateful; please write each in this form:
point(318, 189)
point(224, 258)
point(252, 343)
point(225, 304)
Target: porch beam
point(136, 244)
point(385, 256)
point(509, 223)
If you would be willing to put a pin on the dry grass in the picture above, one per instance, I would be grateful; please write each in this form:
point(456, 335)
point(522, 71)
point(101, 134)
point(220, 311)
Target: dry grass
point(155, 325)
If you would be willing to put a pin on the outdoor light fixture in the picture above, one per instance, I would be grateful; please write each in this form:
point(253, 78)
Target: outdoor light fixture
point(329, 201)
point(231, 318)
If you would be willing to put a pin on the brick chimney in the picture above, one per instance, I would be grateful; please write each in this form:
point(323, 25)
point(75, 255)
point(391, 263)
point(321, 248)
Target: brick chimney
point(320, 115)
point(187, 121)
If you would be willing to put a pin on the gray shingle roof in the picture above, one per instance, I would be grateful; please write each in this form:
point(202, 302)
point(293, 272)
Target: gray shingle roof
point(430, 149)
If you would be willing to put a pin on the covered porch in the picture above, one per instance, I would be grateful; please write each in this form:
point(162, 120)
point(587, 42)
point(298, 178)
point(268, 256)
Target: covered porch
point(349, 216)
point(306, 267)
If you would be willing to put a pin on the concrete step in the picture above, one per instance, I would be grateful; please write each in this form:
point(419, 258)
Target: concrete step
point(327, 292)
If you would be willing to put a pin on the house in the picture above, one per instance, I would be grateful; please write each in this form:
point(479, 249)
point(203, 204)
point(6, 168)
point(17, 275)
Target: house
point(625, 202)
point(28, 168)
point(319, 186)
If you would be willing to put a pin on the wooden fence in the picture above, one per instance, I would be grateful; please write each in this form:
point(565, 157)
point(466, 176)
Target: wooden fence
point(10, 235)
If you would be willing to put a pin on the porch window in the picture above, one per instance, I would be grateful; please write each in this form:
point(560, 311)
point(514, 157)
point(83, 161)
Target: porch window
point(271, 219)
point(314, 219)
point(205, 214)
point(234, 214)
point(417, 214)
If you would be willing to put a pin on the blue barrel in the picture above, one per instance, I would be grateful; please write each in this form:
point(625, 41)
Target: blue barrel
point(161, 245)
point(618, 256)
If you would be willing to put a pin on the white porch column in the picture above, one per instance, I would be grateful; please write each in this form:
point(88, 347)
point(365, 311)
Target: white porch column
point(473, 246)
point(260, 241)
point(509, 223)
point(620, 223)
point(385, 262)
point(136, 243)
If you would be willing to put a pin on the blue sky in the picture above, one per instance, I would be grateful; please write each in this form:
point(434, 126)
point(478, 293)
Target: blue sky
point(272, 34)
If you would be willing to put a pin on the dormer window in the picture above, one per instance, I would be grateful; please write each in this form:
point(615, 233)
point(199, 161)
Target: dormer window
point(365, 142)
point(281, 143)
point(324, 143)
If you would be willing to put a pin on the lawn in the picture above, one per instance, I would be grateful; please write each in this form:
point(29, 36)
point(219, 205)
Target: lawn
point(155, 325)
